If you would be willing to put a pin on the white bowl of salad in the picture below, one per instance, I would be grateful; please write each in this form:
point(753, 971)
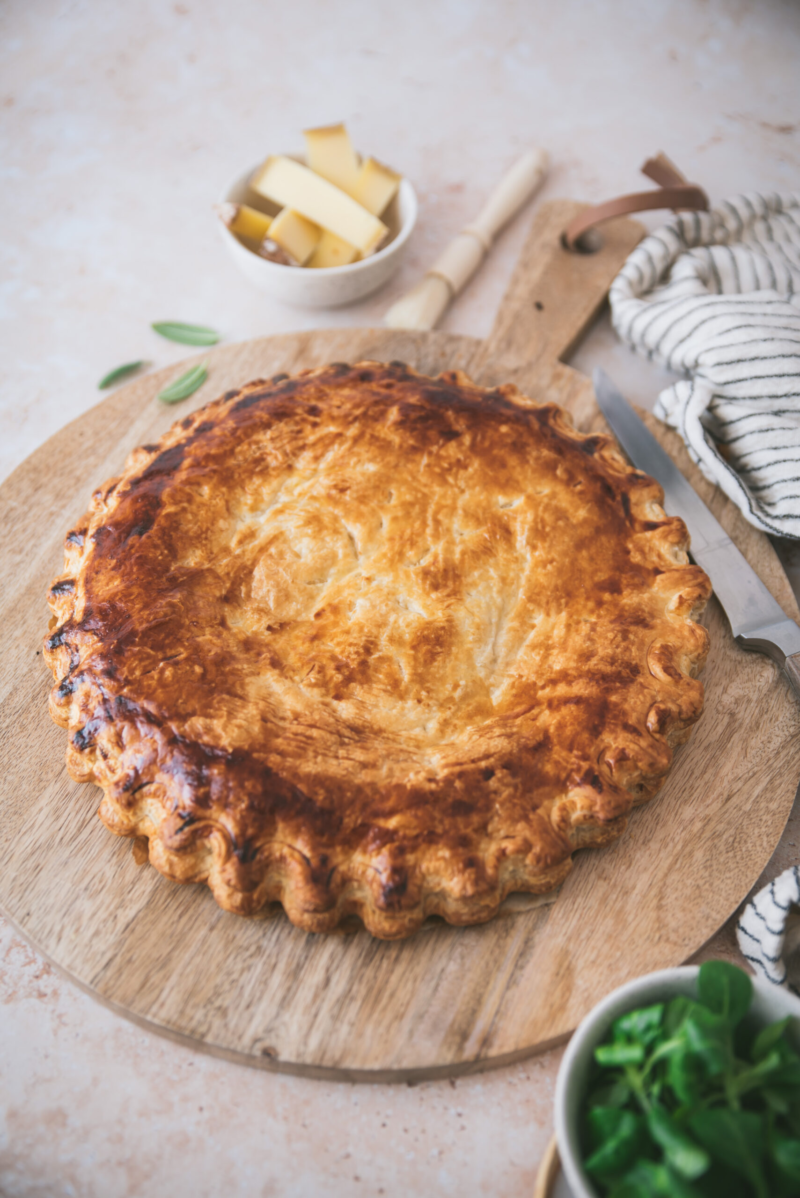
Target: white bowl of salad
point(684, 1083)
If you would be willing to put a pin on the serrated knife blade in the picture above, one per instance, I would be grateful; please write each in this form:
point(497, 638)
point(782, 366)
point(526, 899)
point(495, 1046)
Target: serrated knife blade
point(757, 620)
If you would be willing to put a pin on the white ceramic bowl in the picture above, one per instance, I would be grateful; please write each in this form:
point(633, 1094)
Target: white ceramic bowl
point(770, 1003)
point(331, 286)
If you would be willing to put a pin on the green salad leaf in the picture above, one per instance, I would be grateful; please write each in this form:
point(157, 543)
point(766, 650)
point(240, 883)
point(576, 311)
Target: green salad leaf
point(650, 1180)
point(769, 1038)
point(689, 1099)
point(619, 1138)
point(681, 1152)
point(735, 1139)
point(787, 1156)
point(725, 989)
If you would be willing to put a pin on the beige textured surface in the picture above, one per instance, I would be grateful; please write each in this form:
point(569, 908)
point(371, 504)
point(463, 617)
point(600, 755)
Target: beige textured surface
point(119, 126)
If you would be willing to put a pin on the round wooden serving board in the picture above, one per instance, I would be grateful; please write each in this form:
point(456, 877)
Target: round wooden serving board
point(447, 1000)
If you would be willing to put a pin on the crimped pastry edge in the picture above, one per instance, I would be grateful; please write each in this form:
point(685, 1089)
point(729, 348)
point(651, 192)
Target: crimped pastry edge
point(286, 876)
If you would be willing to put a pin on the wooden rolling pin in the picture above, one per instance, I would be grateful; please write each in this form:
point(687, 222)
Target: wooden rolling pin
point(425, 304)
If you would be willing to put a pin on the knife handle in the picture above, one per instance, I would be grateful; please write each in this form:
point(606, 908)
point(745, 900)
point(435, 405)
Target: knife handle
point(792, 668)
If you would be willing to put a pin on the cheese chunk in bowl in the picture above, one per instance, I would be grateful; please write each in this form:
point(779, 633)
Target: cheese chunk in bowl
point(320, 231)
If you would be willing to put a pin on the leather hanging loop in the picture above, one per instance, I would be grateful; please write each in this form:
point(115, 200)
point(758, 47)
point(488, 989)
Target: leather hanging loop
point(663, 171)
point(673, 192)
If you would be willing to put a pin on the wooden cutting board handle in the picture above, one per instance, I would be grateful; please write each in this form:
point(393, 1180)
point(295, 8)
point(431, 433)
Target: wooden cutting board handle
point(548, 1171)
point(552, 297)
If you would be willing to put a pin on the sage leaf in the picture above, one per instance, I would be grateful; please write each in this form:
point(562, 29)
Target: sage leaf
point(184, 386)
point(187, 334)
point(119, 372)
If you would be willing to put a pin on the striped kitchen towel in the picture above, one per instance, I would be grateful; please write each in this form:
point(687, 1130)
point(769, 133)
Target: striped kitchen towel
point(761, 927)
point(716, 296)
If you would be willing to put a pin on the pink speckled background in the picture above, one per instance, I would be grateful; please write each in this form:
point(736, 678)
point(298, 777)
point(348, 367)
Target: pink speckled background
point(119, 126)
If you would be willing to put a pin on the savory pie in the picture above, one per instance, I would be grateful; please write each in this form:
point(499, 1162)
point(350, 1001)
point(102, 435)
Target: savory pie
point(366, 642)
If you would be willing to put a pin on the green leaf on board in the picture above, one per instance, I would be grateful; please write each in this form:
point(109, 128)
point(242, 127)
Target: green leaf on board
point(184, 386)
point(118, 373)
point(187, 334)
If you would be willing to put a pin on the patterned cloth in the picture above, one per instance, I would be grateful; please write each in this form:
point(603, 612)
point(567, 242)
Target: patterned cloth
point(716, 296)
point(761, 928)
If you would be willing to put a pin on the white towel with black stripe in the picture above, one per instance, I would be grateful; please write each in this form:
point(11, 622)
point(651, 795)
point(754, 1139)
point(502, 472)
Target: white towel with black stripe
point(761, 928)
point(716, 296)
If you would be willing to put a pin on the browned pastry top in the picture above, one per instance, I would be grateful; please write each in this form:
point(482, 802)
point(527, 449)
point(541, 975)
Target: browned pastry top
point(366, 641)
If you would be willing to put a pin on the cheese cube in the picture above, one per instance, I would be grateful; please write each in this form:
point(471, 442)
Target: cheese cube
point(376, 186)
point(332, 251)
point(295, 234)
point(330, 153)
point(244, 221)
point(291, 185)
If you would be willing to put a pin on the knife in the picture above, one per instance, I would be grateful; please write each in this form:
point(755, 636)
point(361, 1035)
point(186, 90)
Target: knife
point(757, 621)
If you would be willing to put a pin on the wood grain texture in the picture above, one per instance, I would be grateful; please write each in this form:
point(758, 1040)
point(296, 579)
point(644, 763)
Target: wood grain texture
point(447, 1000)
point(549, 1170)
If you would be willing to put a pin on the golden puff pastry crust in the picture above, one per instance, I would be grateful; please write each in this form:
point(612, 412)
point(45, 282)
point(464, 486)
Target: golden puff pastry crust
point(364, 642)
